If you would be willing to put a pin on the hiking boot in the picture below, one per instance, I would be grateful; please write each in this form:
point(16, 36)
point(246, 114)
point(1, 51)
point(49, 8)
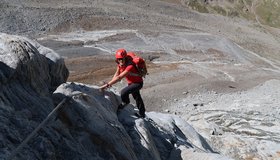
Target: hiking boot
point(121, 106)
point(139, 116)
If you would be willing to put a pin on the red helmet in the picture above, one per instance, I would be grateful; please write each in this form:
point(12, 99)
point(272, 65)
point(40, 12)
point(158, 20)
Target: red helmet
point(121, 53)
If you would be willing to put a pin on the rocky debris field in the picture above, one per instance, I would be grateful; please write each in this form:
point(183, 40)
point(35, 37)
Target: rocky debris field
point(218, 73)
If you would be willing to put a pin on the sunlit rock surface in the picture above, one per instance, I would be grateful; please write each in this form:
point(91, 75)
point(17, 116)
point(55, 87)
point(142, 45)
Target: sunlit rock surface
point(88, 125)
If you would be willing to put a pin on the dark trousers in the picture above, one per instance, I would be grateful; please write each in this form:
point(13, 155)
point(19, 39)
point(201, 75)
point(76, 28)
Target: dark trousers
point(134, 89)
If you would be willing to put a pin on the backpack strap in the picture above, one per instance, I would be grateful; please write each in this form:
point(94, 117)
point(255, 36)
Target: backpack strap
point(130, 62)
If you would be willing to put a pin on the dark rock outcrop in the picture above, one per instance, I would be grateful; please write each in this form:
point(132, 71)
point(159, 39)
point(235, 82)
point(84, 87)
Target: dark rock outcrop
point(29, 74)
point(88, 125)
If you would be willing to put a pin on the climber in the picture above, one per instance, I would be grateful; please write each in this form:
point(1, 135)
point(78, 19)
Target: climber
point(126, 68)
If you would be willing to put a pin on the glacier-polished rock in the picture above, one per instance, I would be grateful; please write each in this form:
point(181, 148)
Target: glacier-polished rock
point(88, 125)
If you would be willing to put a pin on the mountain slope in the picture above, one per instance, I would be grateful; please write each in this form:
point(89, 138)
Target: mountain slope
point(197, 62)
point(87, 126)
point(266, 12)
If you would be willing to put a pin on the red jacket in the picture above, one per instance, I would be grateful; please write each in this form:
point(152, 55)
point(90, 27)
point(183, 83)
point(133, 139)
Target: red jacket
point(133, 76)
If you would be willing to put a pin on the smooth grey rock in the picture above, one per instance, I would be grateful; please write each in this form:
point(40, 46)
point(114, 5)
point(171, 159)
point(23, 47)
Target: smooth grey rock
point(88, 125)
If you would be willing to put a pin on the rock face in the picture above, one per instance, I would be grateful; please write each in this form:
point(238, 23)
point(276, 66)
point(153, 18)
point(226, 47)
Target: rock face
point(88, 126)
point(29, 74)
point(104, 133)
point(31, 63)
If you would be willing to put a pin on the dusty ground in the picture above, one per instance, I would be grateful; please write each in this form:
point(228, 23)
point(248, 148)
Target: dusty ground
point(191, 72)
point(198, 63)
point(95, 64)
